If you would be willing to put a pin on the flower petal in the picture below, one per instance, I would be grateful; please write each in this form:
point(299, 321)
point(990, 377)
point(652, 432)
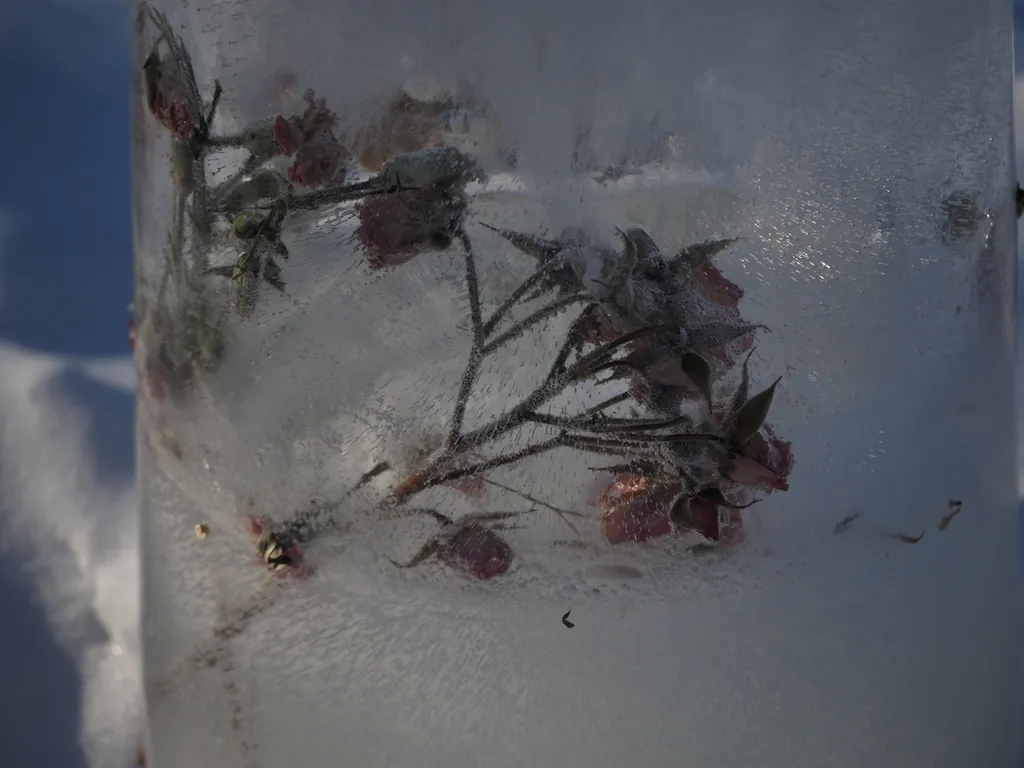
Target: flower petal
point(746, 471)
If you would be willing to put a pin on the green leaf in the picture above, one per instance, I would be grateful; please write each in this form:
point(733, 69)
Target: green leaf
point(698, 370)
point(752, 415)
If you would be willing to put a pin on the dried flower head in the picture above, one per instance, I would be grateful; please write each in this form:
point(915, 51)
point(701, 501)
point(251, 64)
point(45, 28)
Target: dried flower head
point(167, 96)
point(319, 157)
point(395, 228)
point(469, 545)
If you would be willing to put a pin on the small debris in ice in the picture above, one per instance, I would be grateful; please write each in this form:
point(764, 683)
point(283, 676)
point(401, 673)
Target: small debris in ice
point(908, 539)
point(202, 530)
point(955, 505)
point(845, 523)
point(565, 619)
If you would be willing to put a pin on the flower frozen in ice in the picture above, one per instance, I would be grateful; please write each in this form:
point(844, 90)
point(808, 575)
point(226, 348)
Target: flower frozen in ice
point(167, 95)
point(396, 227)
point(470, 545)
point(424, 209)
point(319, 157)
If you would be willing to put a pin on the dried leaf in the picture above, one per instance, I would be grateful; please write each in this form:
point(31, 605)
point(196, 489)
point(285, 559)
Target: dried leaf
point(627, 262)
point(845, 523)
point(427, 551)
point(743, 390)
point(647, 249)
point(539, 248)
point(681, 515)
point(907, 539)
point(701, 253)
point(752, 415)
point(747, 471)
point(698, 371)
point(151, 79)
point(947, 519)
point(714, 495)
point(714, 335)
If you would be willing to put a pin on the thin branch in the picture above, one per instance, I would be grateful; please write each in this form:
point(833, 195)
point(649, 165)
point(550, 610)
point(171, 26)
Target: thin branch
point(476, 355)
point(542, 314)
point(605, 404)
point(583, 368)
point(607, 425)
point(506, 306)
point(563, 514)
point(572, 339)
point(430, 478)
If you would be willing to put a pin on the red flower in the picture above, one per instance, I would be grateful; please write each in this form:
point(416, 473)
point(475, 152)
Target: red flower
point(167, 96)
point(396, 227)
point(716, 523)
point(764, 461)
point(635, 510)
point(476, 550)
point(320, 158)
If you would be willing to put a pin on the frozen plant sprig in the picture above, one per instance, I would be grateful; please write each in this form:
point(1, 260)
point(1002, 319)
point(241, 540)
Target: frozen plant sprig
point(183, 328)
point(609, 309)
point(667, 326)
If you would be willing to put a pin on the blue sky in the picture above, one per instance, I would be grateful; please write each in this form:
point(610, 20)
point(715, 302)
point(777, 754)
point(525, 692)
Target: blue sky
point(66, 280)
point(65, 277)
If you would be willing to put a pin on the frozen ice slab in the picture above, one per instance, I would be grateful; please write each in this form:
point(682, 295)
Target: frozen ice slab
point(336, 384)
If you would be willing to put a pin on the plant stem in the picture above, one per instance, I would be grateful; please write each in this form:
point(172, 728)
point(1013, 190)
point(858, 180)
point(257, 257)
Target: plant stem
point(506, 306)
point(563, 514)
point(430, 478)
point(542, 314)
point(476, 354)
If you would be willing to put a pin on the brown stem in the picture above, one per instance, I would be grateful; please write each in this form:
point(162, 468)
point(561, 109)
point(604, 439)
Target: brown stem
point(542, 314)
point(605, 404)
point(571, 340)
point(428, 477)
point(506, 306)
point(476, 354)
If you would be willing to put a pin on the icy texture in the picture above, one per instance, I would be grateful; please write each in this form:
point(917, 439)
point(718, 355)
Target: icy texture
point(827, 136)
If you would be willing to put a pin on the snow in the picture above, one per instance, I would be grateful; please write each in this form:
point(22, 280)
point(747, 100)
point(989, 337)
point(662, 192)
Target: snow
point(802, 649)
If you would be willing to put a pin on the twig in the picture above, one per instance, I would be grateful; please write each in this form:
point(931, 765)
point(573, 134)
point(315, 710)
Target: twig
point(476, 355)
point(607, 425)
point(506, 306)
point(605, 404)
point(563, 514)
point(430, 478)
point(542, 314)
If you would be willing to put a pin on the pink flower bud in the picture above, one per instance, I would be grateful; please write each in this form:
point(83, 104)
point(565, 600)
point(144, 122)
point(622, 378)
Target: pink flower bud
point(477, 551)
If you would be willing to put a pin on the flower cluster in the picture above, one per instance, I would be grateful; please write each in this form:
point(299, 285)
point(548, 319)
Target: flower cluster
point(695, 449)
point(319, 157)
